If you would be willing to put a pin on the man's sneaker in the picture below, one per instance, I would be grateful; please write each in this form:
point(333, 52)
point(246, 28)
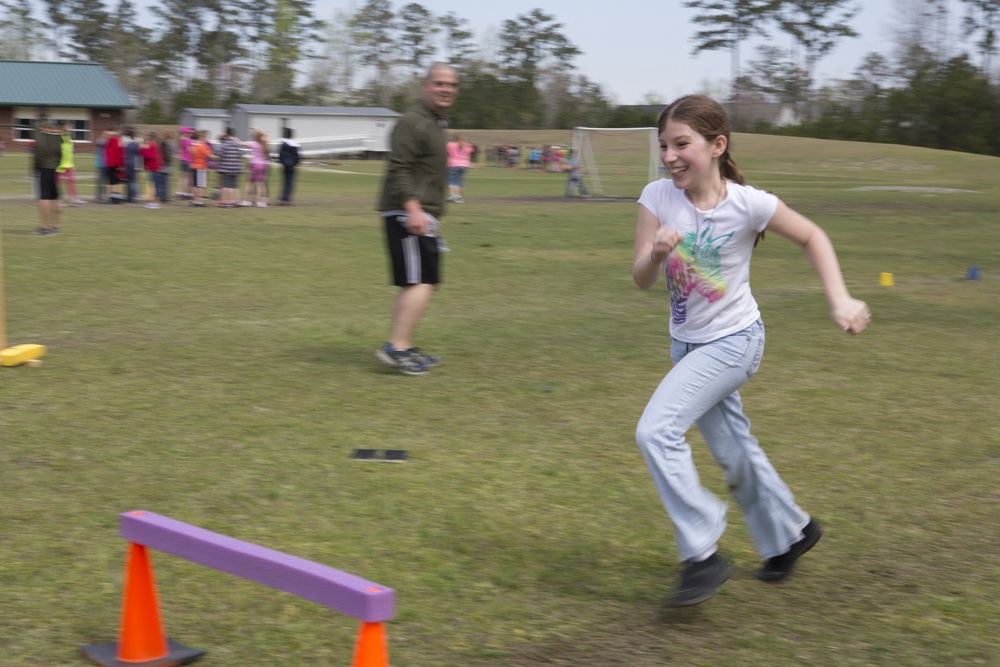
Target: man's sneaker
point(428, 360)
point(780, 567)
point(402, 360)
point(41, 231)
point(700, 580)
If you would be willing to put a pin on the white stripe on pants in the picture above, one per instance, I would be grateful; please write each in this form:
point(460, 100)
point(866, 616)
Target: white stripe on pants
point(411, 258)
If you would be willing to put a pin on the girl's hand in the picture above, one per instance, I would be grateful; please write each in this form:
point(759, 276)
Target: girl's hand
point(664, 241)
point(852, 315)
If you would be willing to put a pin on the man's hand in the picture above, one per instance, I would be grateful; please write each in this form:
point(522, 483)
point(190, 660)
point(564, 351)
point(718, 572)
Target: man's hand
point(417, 222)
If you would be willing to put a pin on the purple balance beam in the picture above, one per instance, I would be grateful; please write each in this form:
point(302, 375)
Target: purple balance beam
point(324, 585)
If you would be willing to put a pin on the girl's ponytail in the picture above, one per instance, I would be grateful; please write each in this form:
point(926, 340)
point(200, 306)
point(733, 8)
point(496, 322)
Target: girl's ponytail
point(729, 170)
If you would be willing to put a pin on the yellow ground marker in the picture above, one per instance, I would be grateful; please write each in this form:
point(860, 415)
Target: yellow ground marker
point(885, 280)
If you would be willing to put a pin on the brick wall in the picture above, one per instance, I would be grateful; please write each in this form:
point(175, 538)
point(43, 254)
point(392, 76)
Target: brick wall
point(101, 120)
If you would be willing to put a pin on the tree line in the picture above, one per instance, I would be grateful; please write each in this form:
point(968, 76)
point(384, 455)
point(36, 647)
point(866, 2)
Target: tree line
point(216, 53)
point(934, 86)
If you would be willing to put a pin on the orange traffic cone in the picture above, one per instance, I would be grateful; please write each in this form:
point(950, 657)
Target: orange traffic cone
point(142, 641)
point(142, 637)
point(372, 647)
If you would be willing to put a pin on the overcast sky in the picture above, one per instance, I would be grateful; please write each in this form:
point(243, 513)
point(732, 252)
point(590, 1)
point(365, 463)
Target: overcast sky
point(635, 47)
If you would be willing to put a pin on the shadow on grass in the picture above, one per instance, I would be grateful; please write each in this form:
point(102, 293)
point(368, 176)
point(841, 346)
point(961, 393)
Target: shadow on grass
point(341, 356)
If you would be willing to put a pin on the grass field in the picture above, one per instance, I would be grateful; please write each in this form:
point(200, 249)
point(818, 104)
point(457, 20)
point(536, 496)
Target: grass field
point(217, 366)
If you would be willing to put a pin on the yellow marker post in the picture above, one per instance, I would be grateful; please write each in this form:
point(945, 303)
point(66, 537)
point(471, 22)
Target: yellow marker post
point(19, 354)
point(885, 280)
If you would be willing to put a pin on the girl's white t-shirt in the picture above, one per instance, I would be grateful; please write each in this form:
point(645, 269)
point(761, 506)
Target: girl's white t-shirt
point(708, 273)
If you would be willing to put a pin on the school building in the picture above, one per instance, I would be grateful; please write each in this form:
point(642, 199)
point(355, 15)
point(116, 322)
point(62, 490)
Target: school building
point(83, 94)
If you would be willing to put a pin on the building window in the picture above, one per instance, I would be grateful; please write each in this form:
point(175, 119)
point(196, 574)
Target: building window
point(79, 130)
point(24, 133)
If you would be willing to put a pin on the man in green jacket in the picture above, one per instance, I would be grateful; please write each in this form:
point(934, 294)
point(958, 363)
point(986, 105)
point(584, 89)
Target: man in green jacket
point(48, 155)
point(411, 204)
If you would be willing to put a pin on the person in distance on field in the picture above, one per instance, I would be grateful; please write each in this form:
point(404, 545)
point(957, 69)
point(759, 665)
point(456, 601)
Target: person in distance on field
point(412, 200)
point(67, 167)
point(288, 156)
point(459, 161)
point(46, 159)
point(574, 167)
point(702, 225)
point(114, 164)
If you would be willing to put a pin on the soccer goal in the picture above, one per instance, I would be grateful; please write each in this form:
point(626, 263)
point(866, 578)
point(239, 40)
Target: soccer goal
point(618, 161)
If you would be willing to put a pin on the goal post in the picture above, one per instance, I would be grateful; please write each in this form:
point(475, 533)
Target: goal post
point(618, 162)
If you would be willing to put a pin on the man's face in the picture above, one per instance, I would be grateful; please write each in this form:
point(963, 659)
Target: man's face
point(439, 89)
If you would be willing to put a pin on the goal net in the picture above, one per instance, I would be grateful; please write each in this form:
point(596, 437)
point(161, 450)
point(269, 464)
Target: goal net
point(618, 162)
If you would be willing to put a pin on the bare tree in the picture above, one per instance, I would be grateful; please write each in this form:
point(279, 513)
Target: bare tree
point(726, 24)
point(816, 26)
point(775, 74)
point(336, 64)
point(982, 19)
point(913, 35)
point(21, 34)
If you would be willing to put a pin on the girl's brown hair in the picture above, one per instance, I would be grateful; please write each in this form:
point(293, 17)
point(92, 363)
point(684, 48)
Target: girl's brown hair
point(706, 117)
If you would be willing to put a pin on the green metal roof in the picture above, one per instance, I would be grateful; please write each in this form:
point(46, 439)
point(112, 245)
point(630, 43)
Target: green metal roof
point(24, 83)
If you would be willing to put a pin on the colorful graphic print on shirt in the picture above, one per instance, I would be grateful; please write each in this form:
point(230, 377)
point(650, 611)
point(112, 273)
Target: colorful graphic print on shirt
point(696, 266)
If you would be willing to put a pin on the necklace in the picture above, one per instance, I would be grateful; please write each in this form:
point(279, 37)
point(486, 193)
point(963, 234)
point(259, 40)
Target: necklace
point(719, 197)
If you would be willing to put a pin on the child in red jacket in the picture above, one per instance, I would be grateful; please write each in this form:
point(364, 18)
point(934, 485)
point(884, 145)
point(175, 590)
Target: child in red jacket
point(152, 162)
point(114, 163)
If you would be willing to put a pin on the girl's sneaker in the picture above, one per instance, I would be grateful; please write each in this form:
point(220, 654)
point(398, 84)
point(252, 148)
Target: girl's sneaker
point(700, 580)
point(781, 567)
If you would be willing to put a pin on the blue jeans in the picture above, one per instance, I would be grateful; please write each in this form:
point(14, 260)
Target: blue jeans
point(702, 389)
point(159, 184)
point(576, 184)
point(456, 176)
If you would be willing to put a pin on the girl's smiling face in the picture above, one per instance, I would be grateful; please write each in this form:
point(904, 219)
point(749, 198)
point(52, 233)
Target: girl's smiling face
point(690, 159)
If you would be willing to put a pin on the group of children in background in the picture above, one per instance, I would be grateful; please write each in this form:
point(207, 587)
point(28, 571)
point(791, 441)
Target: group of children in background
point(122, 154)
